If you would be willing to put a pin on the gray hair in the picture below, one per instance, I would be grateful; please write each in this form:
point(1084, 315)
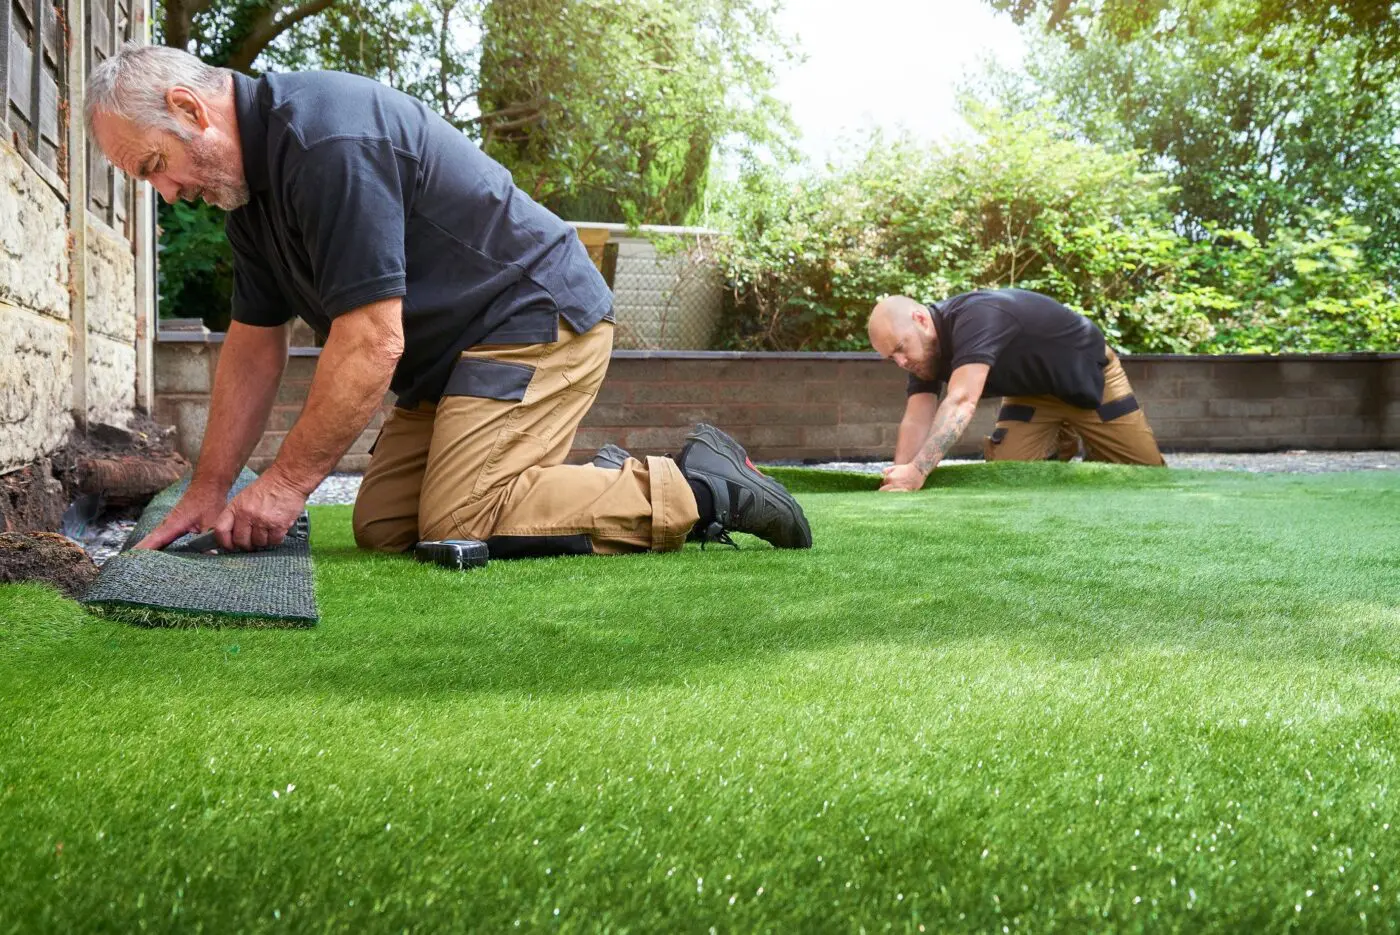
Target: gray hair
point(133, 84)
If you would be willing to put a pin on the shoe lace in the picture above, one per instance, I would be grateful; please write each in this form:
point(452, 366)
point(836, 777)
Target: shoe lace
point(716, 533)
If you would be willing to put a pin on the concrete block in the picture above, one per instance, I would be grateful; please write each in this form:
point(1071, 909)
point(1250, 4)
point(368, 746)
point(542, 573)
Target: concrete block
point(293, 392)
point(190, 416)
point(1176, 409)
point(721, 370)
point(628, 415)
point(183, 368)
point(833, 392)
point(111, 286)
point(589, 439)
point(33, 239)
point(1366, 430)
point(742, 393)
point(763, 437)
point(1348, 388)
point(36, 373)
point(638, 370)
point(791, 415)
point(111, 380)
point(1249, 379)
point(851, 412)
point(269, 446)
point(830, 393)
point(362, 444)
point(300, 369)
point(1391, 378)
point(1243, 409)
point(693, 392)
point(1153, 391)
point(615, 391)
point(655, 440)
point(843, 439)
point(283, 418)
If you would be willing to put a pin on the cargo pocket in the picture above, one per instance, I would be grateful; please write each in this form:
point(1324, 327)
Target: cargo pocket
point(1015, 412)
point(489, 379)
point(1118, 408)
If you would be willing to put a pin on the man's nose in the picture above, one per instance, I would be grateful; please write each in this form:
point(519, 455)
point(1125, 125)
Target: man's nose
point(900, 361)
point(168, 190)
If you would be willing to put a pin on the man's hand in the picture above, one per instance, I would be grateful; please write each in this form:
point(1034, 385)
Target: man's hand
point(197, 511)
point(903, 477)
point(259, 517)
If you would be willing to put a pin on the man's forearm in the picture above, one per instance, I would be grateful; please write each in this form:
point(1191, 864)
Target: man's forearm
point(245, 387)
point(348, 388)
point(949, 424)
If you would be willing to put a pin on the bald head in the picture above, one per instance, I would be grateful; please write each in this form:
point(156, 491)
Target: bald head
point(894, 315)
point(900, 330)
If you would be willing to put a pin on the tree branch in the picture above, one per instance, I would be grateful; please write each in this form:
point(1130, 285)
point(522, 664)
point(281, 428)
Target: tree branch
point(265, 29)
point(179, 17)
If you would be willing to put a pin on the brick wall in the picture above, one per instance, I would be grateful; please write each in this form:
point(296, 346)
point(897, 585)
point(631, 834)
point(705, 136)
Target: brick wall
point(848, 405)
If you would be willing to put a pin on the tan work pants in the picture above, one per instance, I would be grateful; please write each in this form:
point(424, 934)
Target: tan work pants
point(1035, 428)
point(486, 462)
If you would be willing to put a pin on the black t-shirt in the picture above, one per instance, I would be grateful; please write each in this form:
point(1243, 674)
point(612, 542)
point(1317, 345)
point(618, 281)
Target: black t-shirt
point(361, 193)
point(1033, 345)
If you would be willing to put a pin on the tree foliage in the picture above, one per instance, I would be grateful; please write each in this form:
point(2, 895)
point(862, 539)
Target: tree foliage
point(604, 110)
point(615, 111)
point(1031, 206)
point(1259, 112)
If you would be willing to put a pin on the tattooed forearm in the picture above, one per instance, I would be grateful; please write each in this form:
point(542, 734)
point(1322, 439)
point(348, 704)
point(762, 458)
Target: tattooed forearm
point(948, 427)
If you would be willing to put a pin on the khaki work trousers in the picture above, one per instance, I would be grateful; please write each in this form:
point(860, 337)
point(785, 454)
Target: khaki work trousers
point(486, 462)
point(1035, 428)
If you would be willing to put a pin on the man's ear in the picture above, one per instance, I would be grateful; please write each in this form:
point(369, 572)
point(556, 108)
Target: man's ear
point(187, 107)
point(920, 317)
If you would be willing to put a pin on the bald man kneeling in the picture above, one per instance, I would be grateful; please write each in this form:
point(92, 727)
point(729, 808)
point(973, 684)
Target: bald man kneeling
point(1057, 376)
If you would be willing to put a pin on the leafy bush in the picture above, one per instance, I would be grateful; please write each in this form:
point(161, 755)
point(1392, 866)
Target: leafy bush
point(1028, 206)
point(196, 264)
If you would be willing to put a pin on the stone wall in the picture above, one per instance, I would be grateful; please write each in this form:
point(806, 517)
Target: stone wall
point(111, 295)
point(836, 406)
point(36, 363)
point(36, 318)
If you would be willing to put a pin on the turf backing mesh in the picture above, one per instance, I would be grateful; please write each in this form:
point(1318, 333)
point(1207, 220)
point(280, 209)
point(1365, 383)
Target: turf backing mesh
point(177, 587)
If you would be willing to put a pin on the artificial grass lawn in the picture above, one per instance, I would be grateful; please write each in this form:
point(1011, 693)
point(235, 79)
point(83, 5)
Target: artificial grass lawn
point(1033, 697)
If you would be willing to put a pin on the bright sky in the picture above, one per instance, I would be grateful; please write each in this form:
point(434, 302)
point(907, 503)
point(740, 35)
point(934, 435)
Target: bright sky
point(887, 63)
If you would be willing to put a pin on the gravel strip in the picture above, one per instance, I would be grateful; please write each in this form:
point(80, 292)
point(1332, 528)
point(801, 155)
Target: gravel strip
point(1283, 462)
point(338, 488)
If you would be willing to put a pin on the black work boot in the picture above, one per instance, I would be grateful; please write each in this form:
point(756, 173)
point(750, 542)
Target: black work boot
point(610, 456)
point(744, 499)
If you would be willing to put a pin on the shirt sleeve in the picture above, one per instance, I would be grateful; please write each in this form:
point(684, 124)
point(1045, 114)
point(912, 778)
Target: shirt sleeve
point(980, 333)
point(918, 385)
point(347, 198)
point(257, 299)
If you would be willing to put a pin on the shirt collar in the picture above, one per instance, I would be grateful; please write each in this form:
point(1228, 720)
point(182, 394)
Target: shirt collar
point(250, 104)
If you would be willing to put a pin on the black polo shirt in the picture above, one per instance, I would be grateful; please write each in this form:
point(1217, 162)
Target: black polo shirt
point(361, 193)
point(1033, 345)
